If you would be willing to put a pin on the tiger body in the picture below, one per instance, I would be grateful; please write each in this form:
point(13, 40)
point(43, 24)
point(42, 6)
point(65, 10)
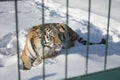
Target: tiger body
point(52, 38)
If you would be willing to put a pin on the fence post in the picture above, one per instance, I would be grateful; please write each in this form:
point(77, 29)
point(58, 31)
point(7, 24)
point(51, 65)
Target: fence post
point(67, 39)
point(43, 21)
point(107, 37)
point(88, 35)
point(17, 38)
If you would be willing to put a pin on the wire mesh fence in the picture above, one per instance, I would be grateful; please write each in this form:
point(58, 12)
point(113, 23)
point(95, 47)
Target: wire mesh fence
point(67, 22)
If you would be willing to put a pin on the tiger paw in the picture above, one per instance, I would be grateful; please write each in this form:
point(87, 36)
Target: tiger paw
point(37, 61)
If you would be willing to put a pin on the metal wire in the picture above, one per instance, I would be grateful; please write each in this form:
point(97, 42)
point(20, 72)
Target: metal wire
point(107, 37)
point(67, 39)
point(43, 21)
point(17, 36)
point(88, 35)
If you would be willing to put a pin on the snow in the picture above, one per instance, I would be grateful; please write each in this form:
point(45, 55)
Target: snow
point(55, 11)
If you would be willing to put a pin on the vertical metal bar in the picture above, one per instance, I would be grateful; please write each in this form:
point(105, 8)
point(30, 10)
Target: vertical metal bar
point(88, 35)
point(17, 36)
point(43, 21)
point(107, 37)
point(67, 39)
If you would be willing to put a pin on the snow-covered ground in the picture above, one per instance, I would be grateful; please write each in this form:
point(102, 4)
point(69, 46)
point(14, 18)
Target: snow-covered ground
point(55, 11)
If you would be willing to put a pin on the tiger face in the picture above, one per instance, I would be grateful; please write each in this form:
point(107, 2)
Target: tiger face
point(52, 39)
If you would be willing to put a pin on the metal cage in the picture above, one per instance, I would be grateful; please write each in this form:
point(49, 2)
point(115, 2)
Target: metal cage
point(113, 74)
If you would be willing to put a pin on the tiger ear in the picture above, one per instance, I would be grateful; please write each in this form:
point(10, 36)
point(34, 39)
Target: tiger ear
point(39, 32)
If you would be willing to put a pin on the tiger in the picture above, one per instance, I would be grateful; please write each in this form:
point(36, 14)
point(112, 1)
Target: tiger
point(45, 41)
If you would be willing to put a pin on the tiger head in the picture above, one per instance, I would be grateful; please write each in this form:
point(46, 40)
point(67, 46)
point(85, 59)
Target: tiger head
point(52, 38)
